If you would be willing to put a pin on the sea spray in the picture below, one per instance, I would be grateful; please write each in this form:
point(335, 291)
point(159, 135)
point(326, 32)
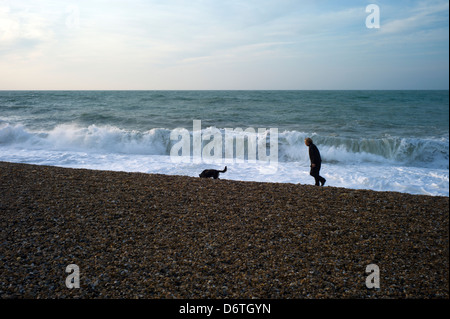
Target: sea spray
point(416, 152)
point(228, 145)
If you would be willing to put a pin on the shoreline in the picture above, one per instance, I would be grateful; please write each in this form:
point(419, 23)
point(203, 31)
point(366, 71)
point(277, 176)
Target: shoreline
point(308, 181)
point(138, 235)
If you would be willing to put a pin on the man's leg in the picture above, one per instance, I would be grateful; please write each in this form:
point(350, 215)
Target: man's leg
point(315, 173)
point(321, 179)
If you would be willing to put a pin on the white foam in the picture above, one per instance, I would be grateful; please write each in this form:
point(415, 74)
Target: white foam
point(431, 152)
point(345, 164)
point(381, 178)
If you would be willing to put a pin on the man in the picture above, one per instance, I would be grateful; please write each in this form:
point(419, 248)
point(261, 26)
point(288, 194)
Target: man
point(316, 161)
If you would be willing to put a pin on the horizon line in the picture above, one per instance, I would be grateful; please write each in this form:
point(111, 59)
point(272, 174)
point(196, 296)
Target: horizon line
point(134, 90)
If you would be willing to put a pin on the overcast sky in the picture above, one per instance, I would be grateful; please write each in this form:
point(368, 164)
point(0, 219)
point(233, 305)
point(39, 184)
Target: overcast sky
point(261, 44)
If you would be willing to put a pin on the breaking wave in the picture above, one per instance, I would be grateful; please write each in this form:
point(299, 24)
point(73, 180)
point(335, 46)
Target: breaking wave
point(417, 152)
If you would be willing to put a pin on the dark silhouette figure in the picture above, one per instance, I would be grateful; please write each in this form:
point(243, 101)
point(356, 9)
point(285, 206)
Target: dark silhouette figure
point(207, 173)
point(316, 162)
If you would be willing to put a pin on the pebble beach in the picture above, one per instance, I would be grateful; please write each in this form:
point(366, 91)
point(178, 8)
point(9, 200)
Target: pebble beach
point(136, 235)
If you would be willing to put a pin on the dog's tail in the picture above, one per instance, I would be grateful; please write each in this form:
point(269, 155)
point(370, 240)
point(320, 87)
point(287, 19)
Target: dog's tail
point(224, 170)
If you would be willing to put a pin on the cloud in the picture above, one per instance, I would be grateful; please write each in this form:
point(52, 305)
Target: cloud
point(425, 15)
point(176, 44)
point(22, 25)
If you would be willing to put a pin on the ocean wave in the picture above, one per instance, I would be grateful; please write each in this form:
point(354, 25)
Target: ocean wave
point(420, 152)
point(98, 139)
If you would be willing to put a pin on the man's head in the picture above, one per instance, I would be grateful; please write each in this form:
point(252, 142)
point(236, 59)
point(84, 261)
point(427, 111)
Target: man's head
point(308, 141)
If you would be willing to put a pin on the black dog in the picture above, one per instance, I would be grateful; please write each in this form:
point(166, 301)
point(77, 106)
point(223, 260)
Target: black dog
point(207, 173)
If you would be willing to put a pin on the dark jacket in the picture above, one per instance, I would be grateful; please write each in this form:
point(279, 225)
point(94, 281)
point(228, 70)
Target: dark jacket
point(314, 154)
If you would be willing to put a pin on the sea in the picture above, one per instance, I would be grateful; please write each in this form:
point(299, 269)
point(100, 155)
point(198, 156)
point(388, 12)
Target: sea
point(378, 140)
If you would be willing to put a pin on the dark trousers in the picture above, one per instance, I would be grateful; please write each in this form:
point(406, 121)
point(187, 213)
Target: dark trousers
point(315, 173)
